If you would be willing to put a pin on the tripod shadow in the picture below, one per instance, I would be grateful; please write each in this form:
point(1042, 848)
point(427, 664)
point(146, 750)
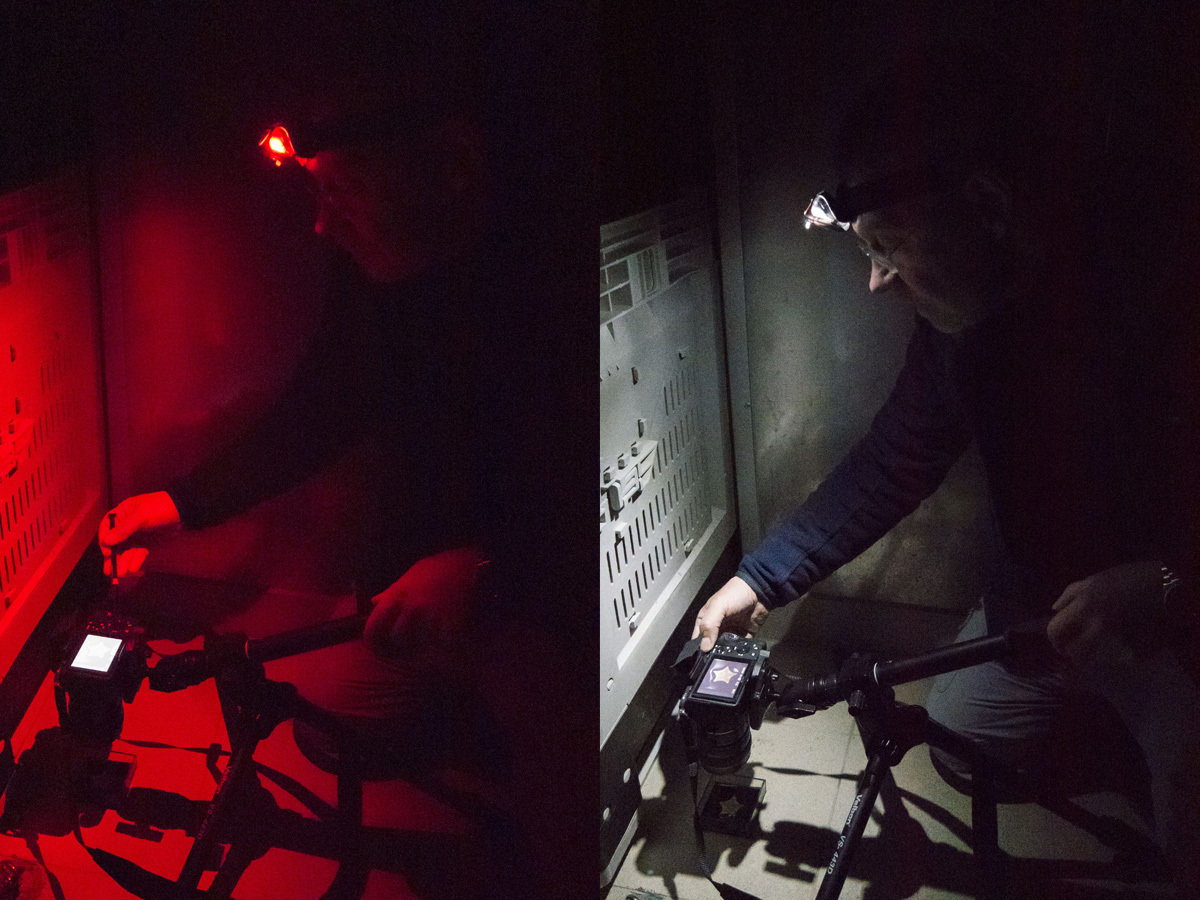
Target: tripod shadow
point(665, 840)
point(901, 858)
point(896, 862)
point(258, 824)
point(45, 800)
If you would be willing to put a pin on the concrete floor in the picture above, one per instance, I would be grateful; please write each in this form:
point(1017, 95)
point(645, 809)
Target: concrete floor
point(809, 767)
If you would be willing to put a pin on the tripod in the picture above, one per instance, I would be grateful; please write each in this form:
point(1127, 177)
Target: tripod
point(253, 706)
point(890, 729)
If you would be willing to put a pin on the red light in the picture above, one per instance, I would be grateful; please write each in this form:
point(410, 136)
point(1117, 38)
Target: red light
point(277, 145)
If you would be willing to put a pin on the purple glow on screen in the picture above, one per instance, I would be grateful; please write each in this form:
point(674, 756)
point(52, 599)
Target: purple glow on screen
point(722, 679)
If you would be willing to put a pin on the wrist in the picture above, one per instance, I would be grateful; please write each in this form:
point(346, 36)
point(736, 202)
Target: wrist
point(162, 511)
point(748, 589)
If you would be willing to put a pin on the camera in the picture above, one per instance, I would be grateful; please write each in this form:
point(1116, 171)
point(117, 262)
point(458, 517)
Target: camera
point(729, 689)
point(103, 668)
point(70, 774)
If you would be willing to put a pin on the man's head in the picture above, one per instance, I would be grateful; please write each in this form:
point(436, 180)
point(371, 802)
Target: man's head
point(929, 159)
point(944, 250)
point(403, 205)
point(390, 137)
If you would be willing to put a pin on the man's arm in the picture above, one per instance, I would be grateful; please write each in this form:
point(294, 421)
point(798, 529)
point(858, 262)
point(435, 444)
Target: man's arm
point(913, 441)
point(302, 430)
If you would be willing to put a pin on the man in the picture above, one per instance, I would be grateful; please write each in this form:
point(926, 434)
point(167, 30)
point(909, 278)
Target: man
point(401, 191)
point(443, 297)
point(1041, 341)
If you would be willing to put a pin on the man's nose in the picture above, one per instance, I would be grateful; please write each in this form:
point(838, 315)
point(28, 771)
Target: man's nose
point(881, 279)
point(329, 222)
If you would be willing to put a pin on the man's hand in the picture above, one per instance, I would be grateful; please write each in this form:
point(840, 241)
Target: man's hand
point(428, 604)
point(142, 512)
point(735, 607)
point(1093, 613)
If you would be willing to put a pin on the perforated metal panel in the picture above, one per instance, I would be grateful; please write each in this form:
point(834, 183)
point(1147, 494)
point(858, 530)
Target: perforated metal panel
point(51, 435)
point(665, 469)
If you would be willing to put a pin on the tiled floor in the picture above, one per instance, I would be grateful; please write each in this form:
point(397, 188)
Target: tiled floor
point(809, 767)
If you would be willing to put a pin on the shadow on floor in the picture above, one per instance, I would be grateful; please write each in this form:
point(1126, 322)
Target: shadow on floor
point(900, 860)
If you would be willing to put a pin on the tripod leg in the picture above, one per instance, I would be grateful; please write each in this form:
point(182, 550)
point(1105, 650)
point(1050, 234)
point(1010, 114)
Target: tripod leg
point(349, 815)
point(985, 834)
point(348, 884)
point(193, 867)
point(237, 860)
point(895, 813)
point(351, 878)
point(991, 862)
point(856, 822)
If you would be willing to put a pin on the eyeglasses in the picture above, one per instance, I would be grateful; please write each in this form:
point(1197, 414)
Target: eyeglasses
point(883, 258)
point(304, 141)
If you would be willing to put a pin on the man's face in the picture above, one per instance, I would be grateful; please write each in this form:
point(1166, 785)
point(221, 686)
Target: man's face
point(935, 256)
point(379, 209)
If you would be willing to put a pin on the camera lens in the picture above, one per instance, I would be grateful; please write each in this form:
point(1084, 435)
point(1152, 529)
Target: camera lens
point(95, 714)
point(725, 748)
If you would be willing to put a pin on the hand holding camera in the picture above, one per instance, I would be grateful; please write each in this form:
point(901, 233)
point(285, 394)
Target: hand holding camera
point(735, 607)
point(726, 697)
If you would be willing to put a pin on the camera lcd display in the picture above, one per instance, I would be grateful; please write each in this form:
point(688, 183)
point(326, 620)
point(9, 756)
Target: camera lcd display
point(722, 679)
point(96, 653)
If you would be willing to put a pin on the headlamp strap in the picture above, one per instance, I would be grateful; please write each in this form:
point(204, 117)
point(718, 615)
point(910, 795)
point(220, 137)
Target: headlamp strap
point(848, 203)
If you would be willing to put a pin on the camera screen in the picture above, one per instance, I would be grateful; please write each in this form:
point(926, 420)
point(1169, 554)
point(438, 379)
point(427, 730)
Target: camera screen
point(722, 679)
point(96, 653)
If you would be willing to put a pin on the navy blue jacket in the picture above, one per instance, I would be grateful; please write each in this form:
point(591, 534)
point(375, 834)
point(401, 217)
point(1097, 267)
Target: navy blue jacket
point(1069, 419)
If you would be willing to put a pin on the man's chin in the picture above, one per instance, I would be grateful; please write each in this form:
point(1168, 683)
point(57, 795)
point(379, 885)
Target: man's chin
point(944, 325)
point(945, 317)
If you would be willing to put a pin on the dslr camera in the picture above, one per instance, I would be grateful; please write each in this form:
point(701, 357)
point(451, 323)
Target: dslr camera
point(729, 689)
point(102, 670)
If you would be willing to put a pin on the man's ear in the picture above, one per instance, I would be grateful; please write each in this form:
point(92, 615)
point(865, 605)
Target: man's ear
point(990, 198)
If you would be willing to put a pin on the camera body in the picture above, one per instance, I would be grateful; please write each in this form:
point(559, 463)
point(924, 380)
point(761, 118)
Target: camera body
point(103, 668)
point(729, 689)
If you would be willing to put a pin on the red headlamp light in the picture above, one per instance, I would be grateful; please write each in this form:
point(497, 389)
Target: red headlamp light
point(277, 146)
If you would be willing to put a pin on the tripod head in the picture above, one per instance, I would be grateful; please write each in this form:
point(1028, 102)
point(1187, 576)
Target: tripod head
point(231, 653)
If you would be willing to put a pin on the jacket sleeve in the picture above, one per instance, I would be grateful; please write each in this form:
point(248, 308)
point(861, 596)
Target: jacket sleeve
point(303, 430)
point(913, 441)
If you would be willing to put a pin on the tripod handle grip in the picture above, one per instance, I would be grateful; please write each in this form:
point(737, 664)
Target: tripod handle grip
point(301, 640)
point(1021, 640)
point(805, 696)
point(821, 692)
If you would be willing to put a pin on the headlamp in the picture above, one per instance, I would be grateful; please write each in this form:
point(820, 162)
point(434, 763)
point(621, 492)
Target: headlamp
point(277, 146)
point(302, 142)
point(820, 213)
point(841, 207)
